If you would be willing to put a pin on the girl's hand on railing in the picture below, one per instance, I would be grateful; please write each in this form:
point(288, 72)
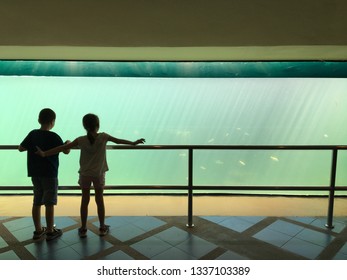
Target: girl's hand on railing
point(140, 141)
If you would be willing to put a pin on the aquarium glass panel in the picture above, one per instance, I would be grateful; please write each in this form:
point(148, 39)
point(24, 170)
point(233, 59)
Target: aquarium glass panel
point(184, 111)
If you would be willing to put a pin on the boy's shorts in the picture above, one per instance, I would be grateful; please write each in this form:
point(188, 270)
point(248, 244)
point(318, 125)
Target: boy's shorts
point(45, 190)
point(85, 182)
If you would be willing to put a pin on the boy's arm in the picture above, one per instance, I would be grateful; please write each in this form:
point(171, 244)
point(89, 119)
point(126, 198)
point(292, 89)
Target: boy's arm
point(21, 148)
point(56, 150)
point(126, 142)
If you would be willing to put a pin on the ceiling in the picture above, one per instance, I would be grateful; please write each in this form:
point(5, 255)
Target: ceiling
point(177, 30)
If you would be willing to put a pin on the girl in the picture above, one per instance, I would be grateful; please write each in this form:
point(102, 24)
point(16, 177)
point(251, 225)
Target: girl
point(93, 166)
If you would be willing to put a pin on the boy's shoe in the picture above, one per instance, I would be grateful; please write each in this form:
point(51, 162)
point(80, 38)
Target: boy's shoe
point(104, 230)
point(53, 235)
point(82, 232)
point(39, 234)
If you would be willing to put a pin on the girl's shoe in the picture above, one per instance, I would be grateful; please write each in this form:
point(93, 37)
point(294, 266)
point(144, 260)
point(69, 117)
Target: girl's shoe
point(104, 230)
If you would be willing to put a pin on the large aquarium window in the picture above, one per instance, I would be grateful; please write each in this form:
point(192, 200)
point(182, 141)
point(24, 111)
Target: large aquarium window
point(183, 104)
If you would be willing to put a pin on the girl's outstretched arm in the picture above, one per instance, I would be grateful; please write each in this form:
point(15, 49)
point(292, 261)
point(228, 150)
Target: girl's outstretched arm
point(67, 146)
point(126, 142)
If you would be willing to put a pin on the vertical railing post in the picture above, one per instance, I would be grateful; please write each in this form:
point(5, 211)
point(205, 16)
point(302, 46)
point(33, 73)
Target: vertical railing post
point(190, 188)
point(329, 223)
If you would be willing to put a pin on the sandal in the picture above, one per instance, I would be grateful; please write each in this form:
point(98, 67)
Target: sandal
point(82, 232)
point(54, 234)
point(39, 234)
point(104, 230)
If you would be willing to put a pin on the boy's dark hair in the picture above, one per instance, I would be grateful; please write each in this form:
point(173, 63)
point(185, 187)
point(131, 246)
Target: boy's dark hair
point(91, 123)
point(46, 116)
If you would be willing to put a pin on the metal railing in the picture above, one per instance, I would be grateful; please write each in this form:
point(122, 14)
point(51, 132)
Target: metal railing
point(190, 187)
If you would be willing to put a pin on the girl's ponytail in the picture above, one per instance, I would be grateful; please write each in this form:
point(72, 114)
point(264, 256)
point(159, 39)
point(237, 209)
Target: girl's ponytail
point(90, 138)
point(91, 124)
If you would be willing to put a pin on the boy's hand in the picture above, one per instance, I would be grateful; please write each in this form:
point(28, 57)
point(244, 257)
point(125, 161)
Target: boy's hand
point(66, 151)
point(39, 152)
point(140, 141)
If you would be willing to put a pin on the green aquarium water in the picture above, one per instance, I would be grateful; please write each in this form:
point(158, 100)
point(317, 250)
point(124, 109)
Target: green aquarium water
point(185, 111)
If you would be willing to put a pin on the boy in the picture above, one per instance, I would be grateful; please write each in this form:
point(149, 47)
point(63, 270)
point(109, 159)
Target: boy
point(43, 173)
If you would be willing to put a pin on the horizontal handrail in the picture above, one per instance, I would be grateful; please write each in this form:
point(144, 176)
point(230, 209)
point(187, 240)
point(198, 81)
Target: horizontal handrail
point(196, 187)
point(190, 187)
point(212, 147)
point(204, 147)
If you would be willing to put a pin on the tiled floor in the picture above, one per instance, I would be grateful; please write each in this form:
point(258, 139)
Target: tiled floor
point(168, 238)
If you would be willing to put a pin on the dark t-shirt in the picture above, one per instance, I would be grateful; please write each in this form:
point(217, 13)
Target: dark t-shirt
point(37, 165)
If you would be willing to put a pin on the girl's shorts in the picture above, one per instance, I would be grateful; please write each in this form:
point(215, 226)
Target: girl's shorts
point(87, 181)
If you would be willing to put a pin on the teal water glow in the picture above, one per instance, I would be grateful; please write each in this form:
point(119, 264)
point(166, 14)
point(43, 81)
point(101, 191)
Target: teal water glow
point(179, 69)
point(173, 111)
